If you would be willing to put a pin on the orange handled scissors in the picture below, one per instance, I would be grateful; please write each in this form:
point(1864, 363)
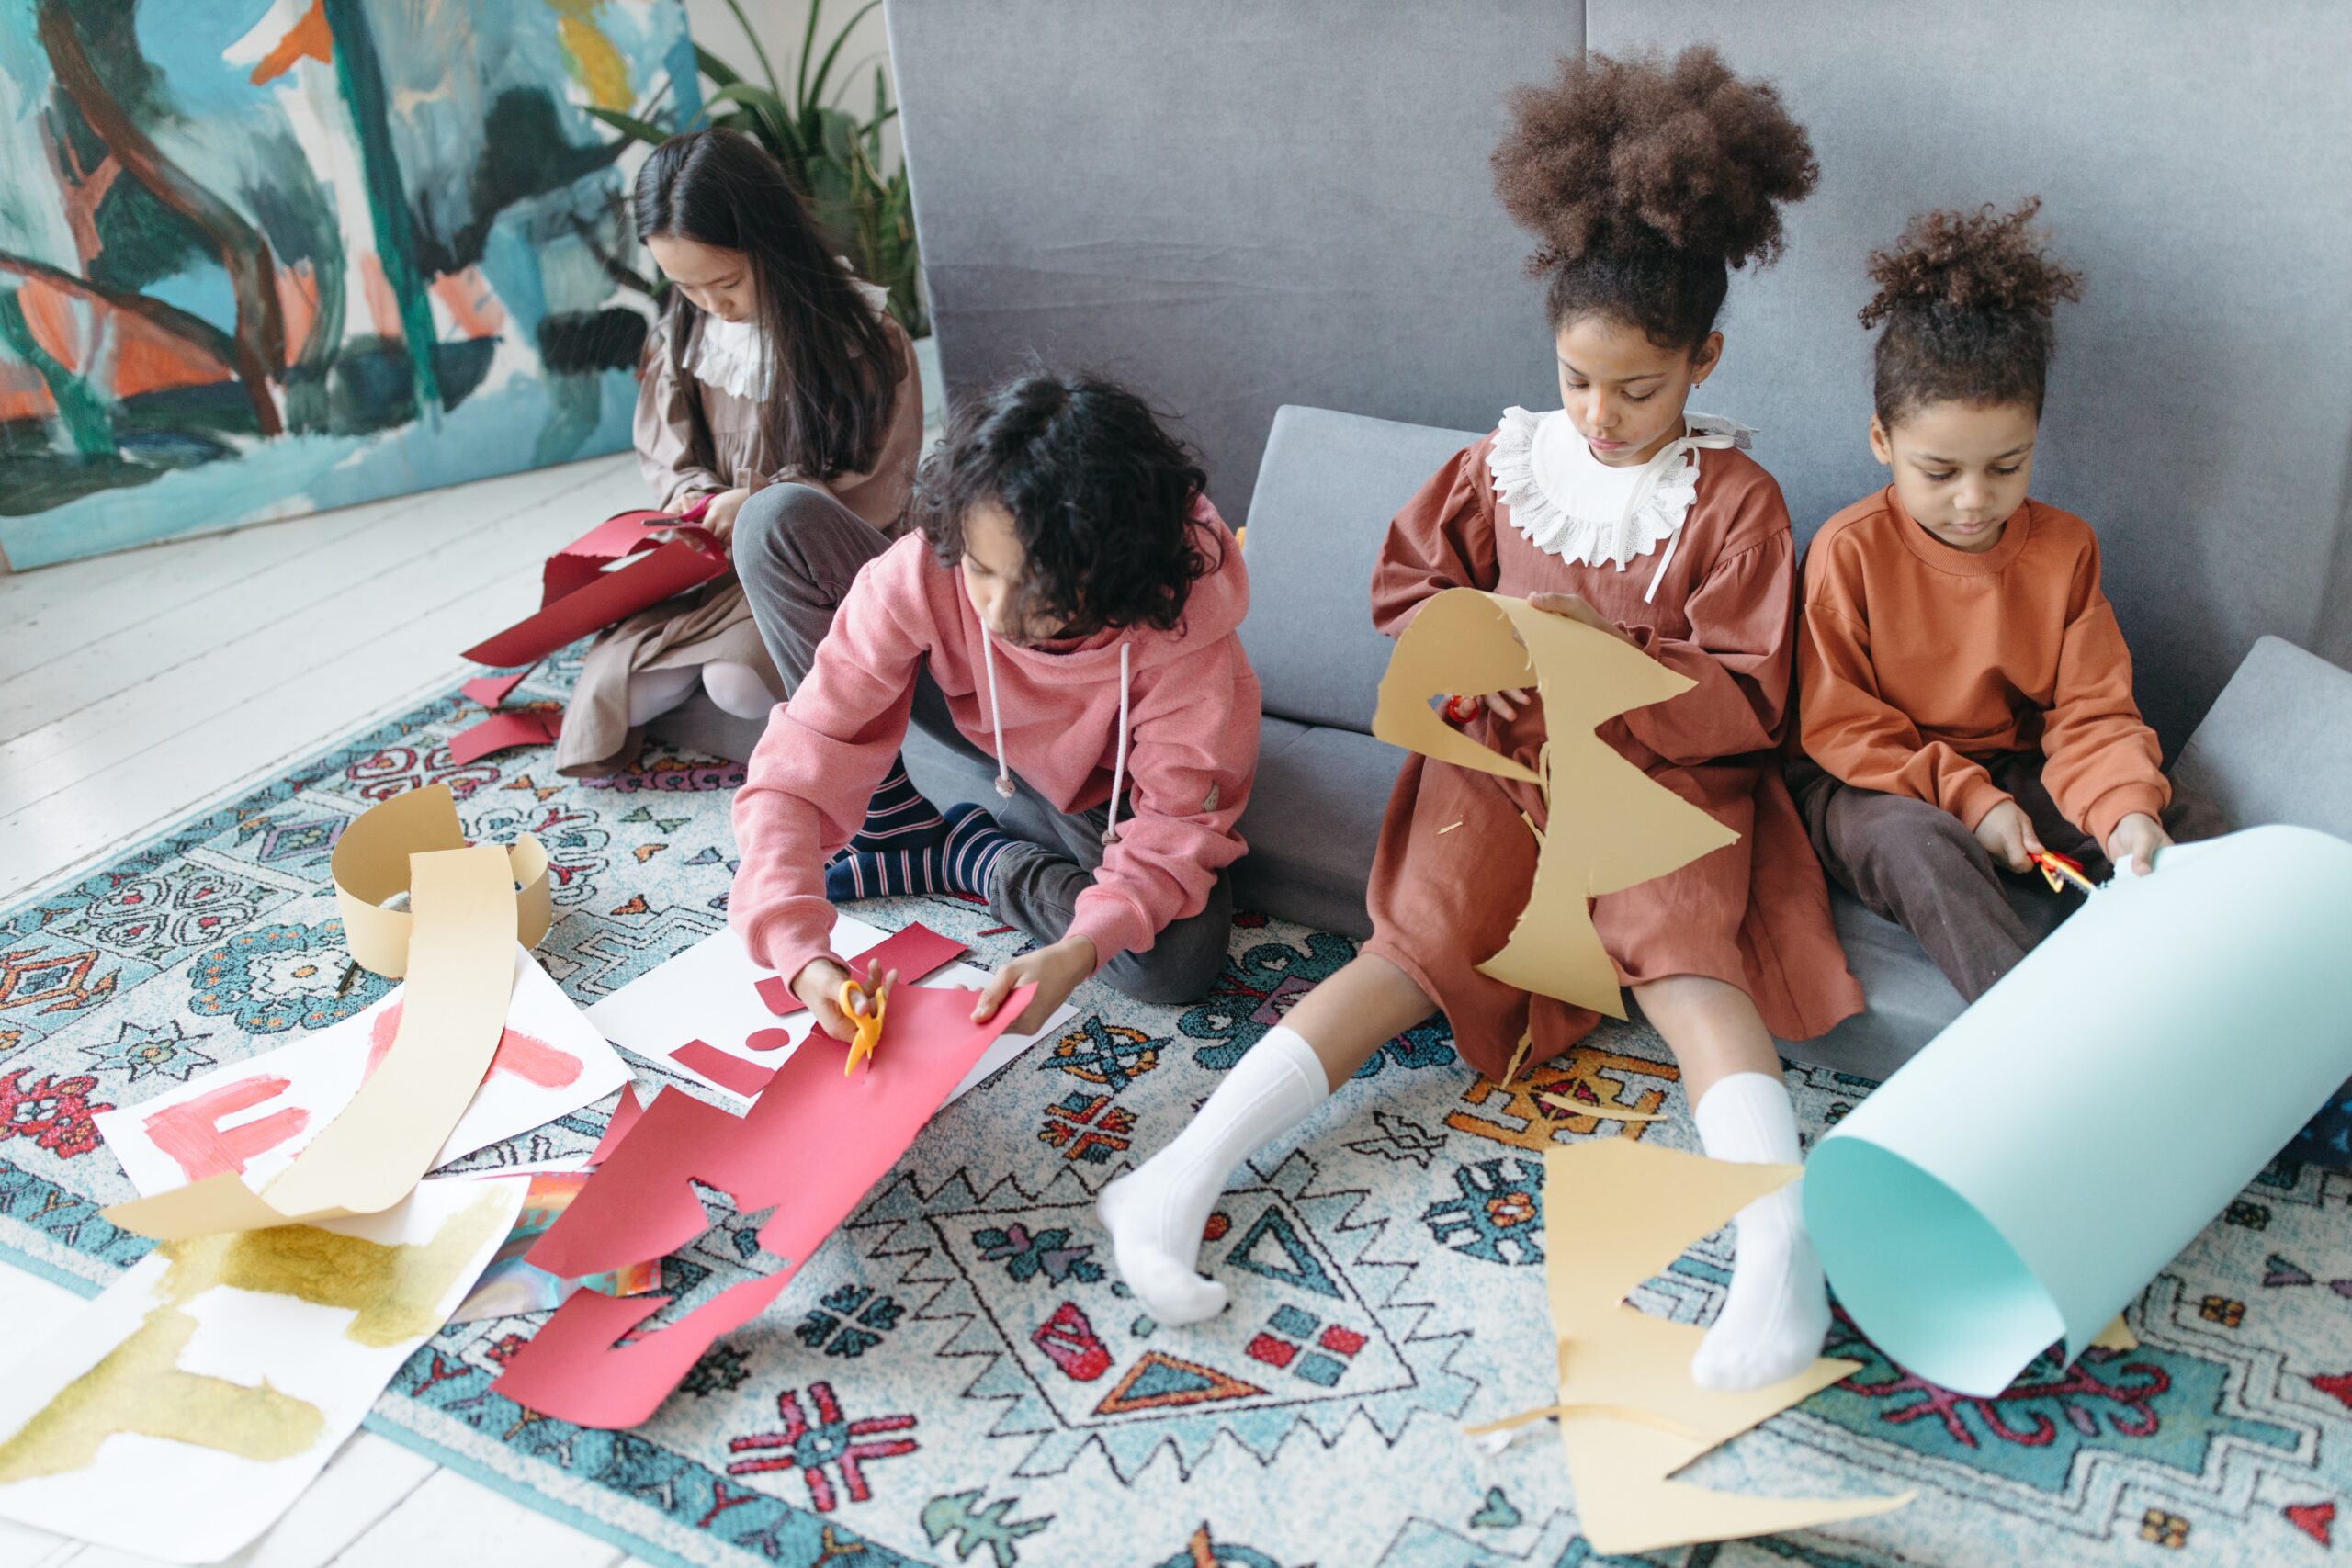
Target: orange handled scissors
point(2059, 870)
point(864, 1002)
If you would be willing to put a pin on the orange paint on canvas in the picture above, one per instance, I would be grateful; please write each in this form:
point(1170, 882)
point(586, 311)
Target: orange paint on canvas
point(310, 38)
point(298, 303)
point(472, 305)
point(383, 308)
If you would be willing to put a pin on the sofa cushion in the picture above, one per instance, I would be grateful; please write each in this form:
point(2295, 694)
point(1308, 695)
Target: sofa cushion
point(2277, 745)
point(1313, 823)
point(1326, 491)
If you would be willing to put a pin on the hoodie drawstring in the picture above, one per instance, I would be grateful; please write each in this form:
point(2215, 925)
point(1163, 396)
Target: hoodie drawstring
point(996, 713)
point(1119, 757)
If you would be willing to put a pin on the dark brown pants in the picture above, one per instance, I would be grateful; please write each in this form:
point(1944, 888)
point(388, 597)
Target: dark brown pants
point(1916, 865)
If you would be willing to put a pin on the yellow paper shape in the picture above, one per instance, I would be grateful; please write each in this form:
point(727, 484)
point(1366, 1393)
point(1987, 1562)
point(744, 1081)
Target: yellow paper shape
point(461, 957)
point(371, 864)
point(1609, 826)
point(1616, 1213)
point(2117, 1335)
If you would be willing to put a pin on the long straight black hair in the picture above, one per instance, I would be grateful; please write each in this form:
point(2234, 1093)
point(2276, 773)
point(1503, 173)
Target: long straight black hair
point(837, 367)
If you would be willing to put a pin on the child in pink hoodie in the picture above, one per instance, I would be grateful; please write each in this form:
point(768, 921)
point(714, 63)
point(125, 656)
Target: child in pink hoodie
point(1069, 610)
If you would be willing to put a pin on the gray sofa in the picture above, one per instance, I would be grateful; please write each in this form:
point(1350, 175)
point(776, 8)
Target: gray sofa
point(2276, 747)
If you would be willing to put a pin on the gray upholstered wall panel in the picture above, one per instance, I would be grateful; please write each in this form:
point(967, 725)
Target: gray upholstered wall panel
point(1232, 204)
point(2196, 164)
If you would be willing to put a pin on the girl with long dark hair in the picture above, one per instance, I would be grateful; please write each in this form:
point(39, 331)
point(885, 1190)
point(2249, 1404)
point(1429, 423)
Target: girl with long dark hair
point(776, 386)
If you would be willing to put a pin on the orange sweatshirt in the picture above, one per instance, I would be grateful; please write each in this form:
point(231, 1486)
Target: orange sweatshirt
point(1917, 660)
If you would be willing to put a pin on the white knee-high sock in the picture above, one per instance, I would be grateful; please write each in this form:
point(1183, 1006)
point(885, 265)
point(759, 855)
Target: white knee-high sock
point(738, 689)
point(1777, 1310)
point(652, 692)
point(1155, 1214)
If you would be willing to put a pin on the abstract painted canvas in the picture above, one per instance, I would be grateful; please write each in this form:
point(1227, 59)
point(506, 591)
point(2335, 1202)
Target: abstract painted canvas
point(260, 257)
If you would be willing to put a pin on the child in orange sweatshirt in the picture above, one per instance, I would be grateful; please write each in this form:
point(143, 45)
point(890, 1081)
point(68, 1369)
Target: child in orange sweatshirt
point(1966, 695)
point(1647, 181)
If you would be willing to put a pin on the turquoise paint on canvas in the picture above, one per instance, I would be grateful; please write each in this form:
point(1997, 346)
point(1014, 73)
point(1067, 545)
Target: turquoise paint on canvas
point(1967, 1223)
point(259, 350)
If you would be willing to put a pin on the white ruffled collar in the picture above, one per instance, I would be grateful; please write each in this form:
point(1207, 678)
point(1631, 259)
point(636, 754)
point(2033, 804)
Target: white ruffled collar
point(732, 357)
point(1569, 504)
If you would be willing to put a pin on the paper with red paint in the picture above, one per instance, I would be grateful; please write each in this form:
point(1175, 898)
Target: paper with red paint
point(521, 727)
point(253, 1116)
point(491, 690)
point(711, 993)
point(579, 595)
point(914, 951)
point(811, 1147)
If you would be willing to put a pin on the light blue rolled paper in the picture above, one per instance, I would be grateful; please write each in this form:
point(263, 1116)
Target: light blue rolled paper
point(2026, 1175)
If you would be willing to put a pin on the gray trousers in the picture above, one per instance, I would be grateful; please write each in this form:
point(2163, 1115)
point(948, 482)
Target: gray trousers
point(797, 550)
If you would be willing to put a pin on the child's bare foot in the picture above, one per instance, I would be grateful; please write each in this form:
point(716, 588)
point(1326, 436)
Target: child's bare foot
point(1156, 1214)
point(1778, 1309)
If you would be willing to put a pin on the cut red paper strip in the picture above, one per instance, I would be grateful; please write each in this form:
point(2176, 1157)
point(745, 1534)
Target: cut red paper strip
point(811, 1148)
point(491, 690)
point(746, 1078)
point(523, 727)
point(579, 595)
point(914, 951)
point(625, 1114)
point(574, 1369)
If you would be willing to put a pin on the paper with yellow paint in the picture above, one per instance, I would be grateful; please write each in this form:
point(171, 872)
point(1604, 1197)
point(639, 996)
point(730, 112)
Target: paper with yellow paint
point(180, 1413)
point(371, 866)
point(453, 1013)
point(1619, 1212)
point(1609, 826)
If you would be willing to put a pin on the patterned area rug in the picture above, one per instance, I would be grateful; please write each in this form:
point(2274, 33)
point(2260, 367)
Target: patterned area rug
point(959, 1377)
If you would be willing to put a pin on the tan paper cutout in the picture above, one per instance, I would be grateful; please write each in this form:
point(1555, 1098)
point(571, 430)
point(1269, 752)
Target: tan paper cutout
point(371, 864)
point(1618, 1212)
point(2117, 1335)
point(1621, 827)
point(462, 955)
point(1599, 1112)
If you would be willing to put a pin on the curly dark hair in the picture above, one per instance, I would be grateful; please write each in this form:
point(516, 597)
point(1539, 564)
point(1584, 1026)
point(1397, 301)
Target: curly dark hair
point(1967, 299)
point(1101, 498)
point(1645, 181)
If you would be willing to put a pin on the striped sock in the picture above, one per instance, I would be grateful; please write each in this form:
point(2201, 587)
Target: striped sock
point(959, 861)
point(899, 818)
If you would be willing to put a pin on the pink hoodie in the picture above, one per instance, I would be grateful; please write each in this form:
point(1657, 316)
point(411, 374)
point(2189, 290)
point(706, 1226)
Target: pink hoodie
point(1191, 749)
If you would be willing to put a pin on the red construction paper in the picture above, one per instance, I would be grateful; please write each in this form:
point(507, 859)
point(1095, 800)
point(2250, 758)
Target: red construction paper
point(491, 690)
point(573, 1370)
point(744, 1078)
point(523, 727)
point(914, 951)
point(811, 1148)
point(579, 595)
point(625, 1116)
point(811, 1144)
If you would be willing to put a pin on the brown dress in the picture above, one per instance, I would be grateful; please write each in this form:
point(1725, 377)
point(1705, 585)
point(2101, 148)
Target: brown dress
point(1755, 913)
point(714, 623)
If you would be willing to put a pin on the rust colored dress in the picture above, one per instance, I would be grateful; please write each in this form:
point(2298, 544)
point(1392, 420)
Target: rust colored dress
point(1755, 913)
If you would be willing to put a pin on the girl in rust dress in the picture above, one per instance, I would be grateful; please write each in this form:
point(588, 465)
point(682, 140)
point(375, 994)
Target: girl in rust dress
point(1645, 182)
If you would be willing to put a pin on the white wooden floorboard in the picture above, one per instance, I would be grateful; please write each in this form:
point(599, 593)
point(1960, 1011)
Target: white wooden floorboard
point(189, 608)
point(450, 1519)
point(58, 612)
point(389, 577)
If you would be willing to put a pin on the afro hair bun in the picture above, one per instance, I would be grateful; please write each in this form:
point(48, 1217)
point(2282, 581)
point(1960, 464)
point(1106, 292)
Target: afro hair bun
point(1980, 261)
point(1634, 154)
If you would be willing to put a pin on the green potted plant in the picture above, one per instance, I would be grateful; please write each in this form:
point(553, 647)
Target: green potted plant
point(833, 156)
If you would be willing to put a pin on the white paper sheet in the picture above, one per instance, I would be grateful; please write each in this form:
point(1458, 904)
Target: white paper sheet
point(553, 1060)
point(181, 1501)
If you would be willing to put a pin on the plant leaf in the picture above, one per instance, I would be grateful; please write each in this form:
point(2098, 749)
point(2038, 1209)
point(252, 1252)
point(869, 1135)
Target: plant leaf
point(745, 23)
point(718, 70)
point(630, 127)
point(817, 89)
